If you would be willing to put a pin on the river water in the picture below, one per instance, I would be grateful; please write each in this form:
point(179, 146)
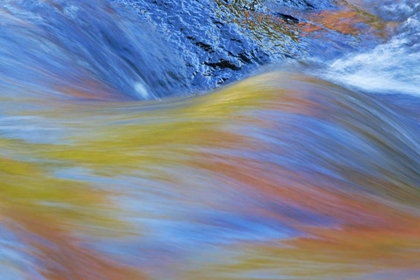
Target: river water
point(114, 165)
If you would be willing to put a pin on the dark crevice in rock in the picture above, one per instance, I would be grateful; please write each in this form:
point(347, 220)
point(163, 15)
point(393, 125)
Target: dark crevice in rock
point(223, 64)
point(287, 18)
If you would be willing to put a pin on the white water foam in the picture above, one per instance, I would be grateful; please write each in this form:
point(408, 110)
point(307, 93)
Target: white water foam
point(142, 90)
point(392, 67)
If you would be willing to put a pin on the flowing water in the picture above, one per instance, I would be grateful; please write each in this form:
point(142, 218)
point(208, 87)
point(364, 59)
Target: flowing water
point(110, 168)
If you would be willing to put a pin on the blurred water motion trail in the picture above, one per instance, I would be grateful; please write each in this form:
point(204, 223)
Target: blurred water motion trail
point(282, 175)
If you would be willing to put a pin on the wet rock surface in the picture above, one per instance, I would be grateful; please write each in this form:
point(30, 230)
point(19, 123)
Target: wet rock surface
point(220, 41)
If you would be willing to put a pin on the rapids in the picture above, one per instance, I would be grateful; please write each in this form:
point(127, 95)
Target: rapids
point(116, 164)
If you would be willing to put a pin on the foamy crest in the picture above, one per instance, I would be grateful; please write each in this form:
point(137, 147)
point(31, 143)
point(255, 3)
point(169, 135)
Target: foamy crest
point(142, 90)
point(392, 67)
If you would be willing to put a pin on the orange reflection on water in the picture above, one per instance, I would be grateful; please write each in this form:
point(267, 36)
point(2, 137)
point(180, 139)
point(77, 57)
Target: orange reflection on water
point(59, 255)
point(224, 185)
point(348, 20)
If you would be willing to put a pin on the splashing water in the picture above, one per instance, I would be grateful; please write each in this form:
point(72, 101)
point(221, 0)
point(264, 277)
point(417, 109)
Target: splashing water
point(307, 171)
point(389, 68)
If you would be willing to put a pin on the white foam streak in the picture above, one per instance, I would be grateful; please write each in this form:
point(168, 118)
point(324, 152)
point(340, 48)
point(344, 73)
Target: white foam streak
point(141, 89)
point(393, 67)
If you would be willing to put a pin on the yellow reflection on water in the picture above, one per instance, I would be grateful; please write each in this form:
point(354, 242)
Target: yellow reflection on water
point(244, 182)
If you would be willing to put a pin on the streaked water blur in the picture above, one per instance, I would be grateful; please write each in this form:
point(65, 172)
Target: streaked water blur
point(283, 175)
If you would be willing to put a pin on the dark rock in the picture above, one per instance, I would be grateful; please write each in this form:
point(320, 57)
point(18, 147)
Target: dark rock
point(220, 41)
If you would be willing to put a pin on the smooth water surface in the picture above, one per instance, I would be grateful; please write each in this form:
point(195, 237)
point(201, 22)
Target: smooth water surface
point(112, 168)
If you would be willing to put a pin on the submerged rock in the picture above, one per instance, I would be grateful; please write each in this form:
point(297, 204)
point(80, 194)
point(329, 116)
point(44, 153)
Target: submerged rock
point(223, 40)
